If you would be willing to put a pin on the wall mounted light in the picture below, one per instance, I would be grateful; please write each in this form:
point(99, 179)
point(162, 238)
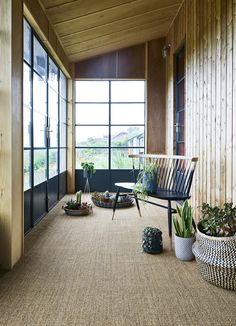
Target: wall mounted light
point(166, 51)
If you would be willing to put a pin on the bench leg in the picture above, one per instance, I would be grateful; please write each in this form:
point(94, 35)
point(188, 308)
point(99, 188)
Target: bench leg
point(116, 199)
point(169, 218)
point(137, 203)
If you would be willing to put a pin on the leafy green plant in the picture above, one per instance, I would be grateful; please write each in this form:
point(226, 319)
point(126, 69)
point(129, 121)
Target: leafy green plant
point(184, 223)
point(218, 222)
point(146, 181)
point(88, 166)
point(140, 191)
point(74, 205)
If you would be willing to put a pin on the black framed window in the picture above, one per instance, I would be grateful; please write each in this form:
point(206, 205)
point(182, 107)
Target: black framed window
point(110, 122)
point(45, 127)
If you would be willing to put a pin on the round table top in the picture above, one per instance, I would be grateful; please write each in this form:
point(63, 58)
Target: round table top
point(126, 185)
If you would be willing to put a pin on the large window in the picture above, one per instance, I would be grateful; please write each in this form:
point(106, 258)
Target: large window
point(45, 107)
point(110, 119)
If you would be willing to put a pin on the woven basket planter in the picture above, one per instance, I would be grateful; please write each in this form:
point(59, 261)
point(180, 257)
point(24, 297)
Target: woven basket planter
point(125, 203)
point(216, 259)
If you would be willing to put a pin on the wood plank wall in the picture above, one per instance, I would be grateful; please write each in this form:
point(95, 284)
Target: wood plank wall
point(208, 28)
point(11, 135)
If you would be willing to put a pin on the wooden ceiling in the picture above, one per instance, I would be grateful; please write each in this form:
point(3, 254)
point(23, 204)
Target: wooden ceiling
point(87, 28)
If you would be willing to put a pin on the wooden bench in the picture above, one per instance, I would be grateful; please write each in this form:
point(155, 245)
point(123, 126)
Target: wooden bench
point(173, 180)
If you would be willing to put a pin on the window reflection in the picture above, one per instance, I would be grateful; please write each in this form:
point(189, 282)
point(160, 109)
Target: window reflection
point(53, 133)
point(40, 59)
point(27, 42)
point(27, 86)
point(97, 155)
point(39, 130)
point(40, 95)
point(62, 160)
point(93, 136)
point(27, 169)
point(52, 104)
point(92, 91)
point(27, 127)
point(53, 162)
point(40, 164)
point(53, 75)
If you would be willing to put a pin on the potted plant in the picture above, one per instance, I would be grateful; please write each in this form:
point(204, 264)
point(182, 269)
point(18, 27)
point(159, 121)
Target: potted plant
point(88, 168)
point(215, 246)
point(106, 200)
point(152, 240)
point(184, 233)
point(76, 207)
point(147, 181)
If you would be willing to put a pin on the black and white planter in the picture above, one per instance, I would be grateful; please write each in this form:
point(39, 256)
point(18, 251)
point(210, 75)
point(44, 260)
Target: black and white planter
point(216, 259)
point(183, 248)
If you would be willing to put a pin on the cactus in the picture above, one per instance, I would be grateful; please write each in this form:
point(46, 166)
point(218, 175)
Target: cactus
point(78, 197)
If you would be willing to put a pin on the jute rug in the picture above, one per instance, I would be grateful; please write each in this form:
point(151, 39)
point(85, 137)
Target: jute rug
point(92, 271)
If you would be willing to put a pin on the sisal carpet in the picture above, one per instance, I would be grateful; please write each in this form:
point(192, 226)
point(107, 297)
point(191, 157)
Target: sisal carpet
point(92, 271)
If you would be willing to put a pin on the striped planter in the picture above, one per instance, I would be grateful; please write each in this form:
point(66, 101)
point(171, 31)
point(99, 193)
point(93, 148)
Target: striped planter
point(216, 259)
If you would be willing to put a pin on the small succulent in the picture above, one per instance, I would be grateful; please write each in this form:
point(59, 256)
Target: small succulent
point(218, 222)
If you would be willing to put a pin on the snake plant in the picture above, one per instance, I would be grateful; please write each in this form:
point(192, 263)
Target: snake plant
point(183, 223)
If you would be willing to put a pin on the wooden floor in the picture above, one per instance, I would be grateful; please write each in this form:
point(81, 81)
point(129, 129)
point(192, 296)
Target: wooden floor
point(92, 271)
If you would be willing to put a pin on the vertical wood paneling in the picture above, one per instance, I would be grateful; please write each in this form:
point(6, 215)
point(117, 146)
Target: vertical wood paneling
point(234, 102)
point(210, 33)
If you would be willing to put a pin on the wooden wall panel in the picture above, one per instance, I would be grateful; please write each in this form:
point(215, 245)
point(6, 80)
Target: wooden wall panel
point(210, 35)
point(156, 97)
point(126, 63)
point(11, 135)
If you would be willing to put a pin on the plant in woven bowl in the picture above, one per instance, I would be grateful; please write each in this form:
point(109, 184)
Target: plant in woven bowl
point(152, 240)
point(106, 200)
point(215, 246)
point(184, 232)
point(76, 207)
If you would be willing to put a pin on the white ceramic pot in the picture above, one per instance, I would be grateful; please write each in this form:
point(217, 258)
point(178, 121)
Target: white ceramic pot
point(183, 248)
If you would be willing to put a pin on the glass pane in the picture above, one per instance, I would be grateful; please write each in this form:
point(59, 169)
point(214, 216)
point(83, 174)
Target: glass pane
point(127, 136)
point(27, 127)
point(180, 65)
point(53, 163)
point(63, 111)
point(27, 165)
point(40, 164)
point(52, 104)
point(120, 159)
point(53, 75)
point(40, 95)
point(180, 96)
point(98, 156)
point(92, 114)
point(92, 136)
point(92, 91)
point(127, 114)
point(63, 85)
point(127, 91)
point(63, 138)
point(53, 133)
point(27, 42)
point(40, 59)
point(39, 130)
point(27, 86)
point(62, 160)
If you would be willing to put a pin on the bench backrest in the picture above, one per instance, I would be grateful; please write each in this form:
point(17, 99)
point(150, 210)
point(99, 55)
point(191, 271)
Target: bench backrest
point(174, 173)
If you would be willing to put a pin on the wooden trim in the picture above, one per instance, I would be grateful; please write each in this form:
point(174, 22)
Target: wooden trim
point(11, 154)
